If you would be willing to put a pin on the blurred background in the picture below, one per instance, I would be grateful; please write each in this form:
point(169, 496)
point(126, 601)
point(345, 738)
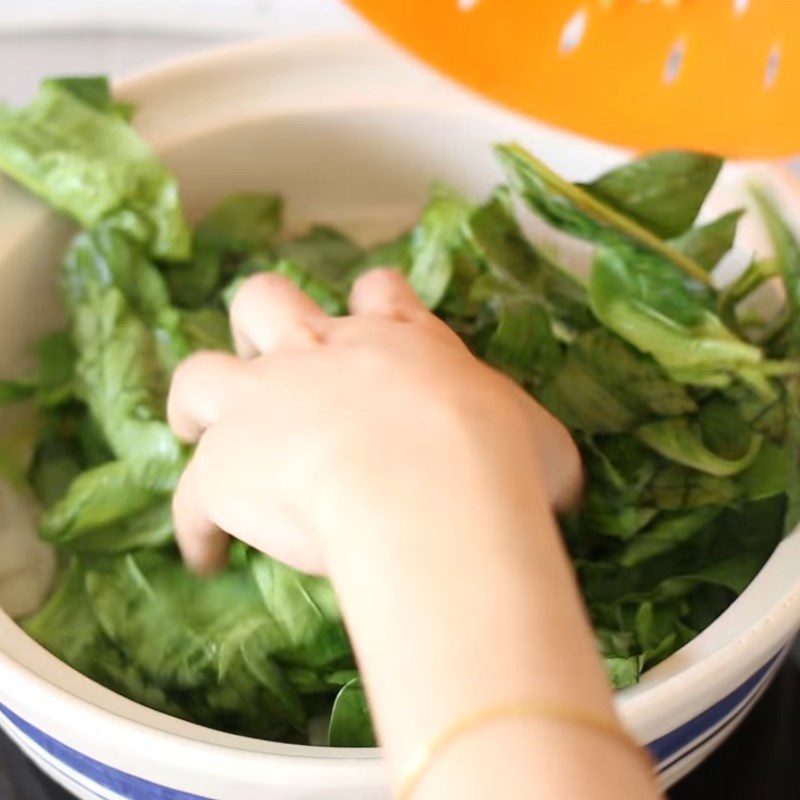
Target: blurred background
point(43, 37)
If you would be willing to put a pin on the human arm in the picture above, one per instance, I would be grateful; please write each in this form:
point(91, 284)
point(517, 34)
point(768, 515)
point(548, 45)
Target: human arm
point(375, 449)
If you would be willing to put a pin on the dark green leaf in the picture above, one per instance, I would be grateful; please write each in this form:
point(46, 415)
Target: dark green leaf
point(517, 269)
point(206, 329)
point(350, 724)
point(325, 254)
point(55, 383)
point(662, 191)
point(204, 637)
point(677, 487)
point(575, 211)
point(57, 462)
point(667, 533)
point(635, 379)
point(16, 391)
point(304, 613)
point(523, 344)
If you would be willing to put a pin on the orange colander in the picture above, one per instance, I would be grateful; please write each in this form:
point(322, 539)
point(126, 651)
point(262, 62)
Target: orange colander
point(719, 75)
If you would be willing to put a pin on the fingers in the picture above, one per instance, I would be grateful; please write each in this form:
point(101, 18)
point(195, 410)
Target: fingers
point(203, 545)
point(232, 487)
point(198, 389)
point(559, 458)
point(387, 293)
point(269, 309)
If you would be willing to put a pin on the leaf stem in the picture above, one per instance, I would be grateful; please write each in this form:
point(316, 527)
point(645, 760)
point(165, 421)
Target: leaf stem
point(606, 215)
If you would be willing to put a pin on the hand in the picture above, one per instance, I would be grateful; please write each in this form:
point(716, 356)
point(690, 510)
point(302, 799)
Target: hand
point(319, 424)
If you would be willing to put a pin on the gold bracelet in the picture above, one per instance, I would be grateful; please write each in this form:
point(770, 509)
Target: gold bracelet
point(425, 756)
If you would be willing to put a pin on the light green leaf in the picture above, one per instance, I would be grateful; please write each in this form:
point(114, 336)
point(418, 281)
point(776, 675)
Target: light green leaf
point(681, 442)
point(440, 232)
point(708, 243)
point(657, 314)
point(86, 161)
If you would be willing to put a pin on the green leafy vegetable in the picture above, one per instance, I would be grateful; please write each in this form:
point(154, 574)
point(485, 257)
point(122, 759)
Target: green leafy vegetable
point(707, 244)
point(350, 724)
point(652, 309)
point(576, 211)
point(73, 149)
point(687, 413)
point(663, 191)
point(325, 254)
point(239, 227)
point(678, 441)
point(434, 244)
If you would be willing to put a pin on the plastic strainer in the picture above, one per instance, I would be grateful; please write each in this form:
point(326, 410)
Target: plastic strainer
point(718, 75)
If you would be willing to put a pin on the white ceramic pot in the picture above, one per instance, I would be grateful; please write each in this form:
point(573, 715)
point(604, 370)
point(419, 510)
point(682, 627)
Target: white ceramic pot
point(351, 133)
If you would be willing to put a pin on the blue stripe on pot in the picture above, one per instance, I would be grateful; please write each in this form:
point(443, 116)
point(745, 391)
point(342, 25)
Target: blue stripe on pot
point(708, 722)
point(121, 783)
point(667, 749)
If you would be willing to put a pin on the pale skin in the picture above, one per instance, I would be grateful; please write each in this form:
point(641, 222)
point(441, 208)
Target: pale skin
point(375, 449)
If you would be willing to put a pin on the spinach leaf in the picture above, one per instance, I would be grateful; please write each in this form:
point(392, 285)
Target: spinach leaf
point(623, 672)
point(120, 379)
point(206, 329)
point(395, 253)
point(67, 628)
point(575, 211)
point(682, 443)
point(57, 462)
point(523, 344)
point(787, 260)
point(440, 231)
point(113, 508)
point(635, 378)
point(667, 533)
point(240, 226)
point(651, 308)
point(707, 244)
point(350, 724)
point(86, 161)
point(325, 254)
point(95, 91)
point(327, 296)
point(308, 627)
point(55, 383)
point(662, 191)
point(127, 338)
point(516, 268)
point(202, 638)
point(676, 487)
point(244, 223)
